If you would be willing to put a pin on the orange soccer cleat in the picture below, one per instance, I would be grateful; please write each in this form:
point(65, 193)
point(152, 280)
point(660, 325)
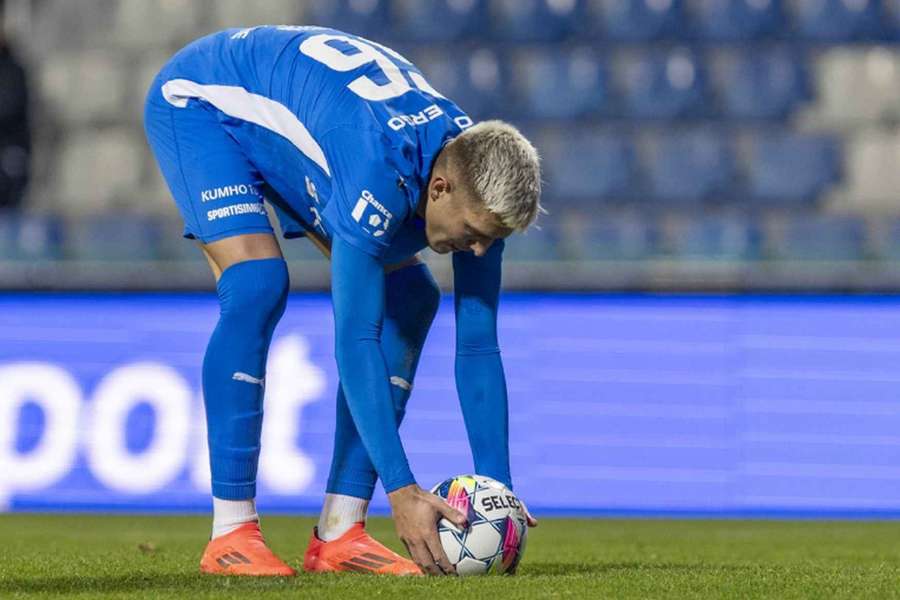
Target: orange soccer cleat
point(242, 552)
point(355, 551)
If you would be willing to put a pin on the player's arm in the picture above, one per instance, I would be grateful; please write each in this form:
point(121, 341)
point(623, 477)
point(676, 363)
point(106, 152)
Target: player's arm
point(358, 296)
point(480, 379)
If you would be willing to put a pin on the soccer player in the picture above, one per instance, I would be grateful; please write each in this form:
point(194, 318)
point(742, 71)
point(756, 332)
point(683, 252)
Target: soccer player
point(356, 151)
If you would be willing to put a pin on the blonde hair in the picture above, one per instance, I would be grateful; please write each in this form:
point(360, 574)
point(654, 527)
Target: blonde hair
point(502, 169)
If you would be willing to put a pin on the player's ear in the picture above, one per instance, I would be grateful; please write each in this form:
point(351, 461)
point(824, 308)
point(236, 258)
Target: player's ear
point(439, 186)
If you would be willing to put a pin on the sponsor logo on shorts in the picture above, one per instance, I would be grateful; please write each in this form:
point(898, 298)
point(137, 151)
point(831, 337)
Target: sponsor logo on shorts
point(365, 213)
point(236, 209)
point(227, 191)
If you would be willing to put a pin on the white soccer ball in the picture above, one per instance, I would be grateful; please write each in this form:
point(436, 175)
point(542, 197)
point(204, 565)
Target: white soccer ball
point(495, 539)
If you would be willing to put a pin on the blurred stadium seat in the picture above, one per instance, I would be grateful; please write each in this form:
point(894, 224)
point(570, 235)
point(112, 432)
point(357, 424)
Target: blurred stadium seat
point(691, 167)
point(583, 168)
point(617, 238)
point(823, 238)
point(664, 85)
point(113, 237)
point(370, 18)
point(792, 169)
point(536, 20)
point(762, 85)
point(890, 15)
point(239, 13)
point(838, 20)
point(890, 246)
point(30, 237)
point(873, 181)
point(640, 20)
point(570, 84)
point(537, 244)
point(857, 86)
point(459, 19)
point(143, 25)
point(99, 169)
point(86, 87)
point(717, 238)
point(738, 20)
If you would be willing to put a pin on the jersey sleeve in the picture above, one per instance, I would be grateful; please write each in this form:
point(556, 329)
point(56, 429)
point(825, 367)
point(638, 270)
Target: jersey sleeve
point(368, 201)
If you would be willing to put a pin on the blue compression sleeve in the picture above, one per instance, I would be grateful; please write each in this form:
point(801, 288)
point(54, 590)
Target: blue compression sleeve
point(480, 380)
point(357, 289)
point(411, 301)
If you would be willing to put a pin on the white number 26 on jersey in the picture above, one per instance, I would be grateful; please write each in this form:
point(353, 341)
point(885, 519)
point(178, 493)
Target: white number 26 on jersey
point(317, 47)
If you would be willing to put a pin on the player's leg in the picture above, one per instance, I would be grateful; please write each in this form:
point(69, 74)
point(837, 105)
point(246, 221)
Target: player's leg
point(216, 190)
point(252, 286)
point(411, 303)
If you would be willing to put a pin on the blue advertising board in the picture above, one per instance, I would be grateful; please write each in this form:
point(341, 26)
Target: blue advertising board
point(618, 404)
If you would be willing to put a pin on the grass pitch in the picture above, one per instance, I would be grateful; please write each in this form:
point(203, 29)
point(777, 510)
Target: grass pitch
point(157, 557)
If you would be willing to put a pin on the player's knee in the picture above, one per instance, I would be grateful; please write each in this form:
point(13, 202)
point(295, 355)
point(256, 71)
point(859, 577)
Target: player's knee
point(255, 292)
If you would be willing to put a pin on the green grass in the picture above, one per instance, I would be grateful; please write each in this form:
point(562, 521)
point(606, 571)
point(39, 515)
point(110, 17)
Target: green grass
point(156, 557)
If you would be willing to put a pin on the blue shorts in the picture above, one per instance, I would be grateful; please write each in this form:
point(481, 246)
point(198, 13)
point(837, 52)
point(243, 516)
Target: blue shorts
point(216, 188)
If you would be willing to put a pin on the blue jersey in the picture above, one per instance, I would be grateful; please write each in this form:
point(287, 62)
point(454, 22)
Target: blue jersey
point(341, 130)
point(338, 134)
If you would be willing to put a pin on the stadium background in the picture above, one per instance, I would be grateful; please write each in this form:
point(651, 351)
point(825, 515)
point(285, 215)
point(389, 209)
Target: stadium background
point(741, 147)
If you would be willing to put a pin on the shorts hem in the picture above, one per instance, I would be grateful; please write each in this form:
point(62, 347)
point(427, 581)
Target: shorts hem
point(206, 239)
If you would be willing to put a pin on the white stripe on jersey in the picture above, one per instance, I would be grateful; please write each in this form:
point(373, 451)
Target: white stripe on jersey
point(237, 102)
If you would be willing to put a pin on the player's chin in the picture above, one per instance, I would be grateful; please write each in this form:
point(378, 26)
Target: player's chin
point(441, 248)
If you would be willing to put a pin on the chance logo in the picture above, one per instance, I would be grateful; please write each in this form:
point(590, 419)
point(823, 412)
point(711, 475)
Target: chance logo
point(371, 214)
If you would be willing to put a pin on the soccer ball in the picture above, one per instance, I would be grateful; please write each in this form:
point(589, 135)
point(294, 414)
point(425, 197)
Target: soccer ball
point(495, 539)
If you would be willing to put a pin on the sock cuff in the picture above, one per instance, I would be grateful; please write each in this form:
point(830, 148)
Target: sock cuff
point(229, 514)
point(339, 514)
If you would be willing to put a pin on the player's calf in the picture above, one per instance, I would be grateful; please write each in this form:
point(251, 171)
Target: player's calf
point(252, 297)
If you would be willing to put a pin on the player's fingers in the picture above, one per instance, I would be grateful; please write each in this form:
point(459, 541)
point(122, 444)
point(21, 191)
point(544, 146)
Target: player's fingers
point(409, 551)
point(437, 552)
point(422, 557)
point(529, 520)
point(450, 513)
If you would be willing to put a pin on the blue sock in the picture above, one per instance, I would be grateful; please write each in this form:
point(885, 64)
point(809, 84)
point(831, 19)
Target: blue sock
point(252, 297)
point(412, 298)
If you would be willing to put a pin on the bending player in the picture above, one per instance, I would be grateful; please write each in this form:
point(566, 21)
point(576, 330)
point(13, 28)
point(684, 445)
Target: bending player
point(356, 151)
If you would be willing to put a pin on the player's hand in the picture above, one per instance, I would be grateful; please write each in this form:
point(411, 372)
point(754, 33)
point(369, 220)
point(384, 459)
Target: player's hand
point(416, 513)
point(531, 521)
